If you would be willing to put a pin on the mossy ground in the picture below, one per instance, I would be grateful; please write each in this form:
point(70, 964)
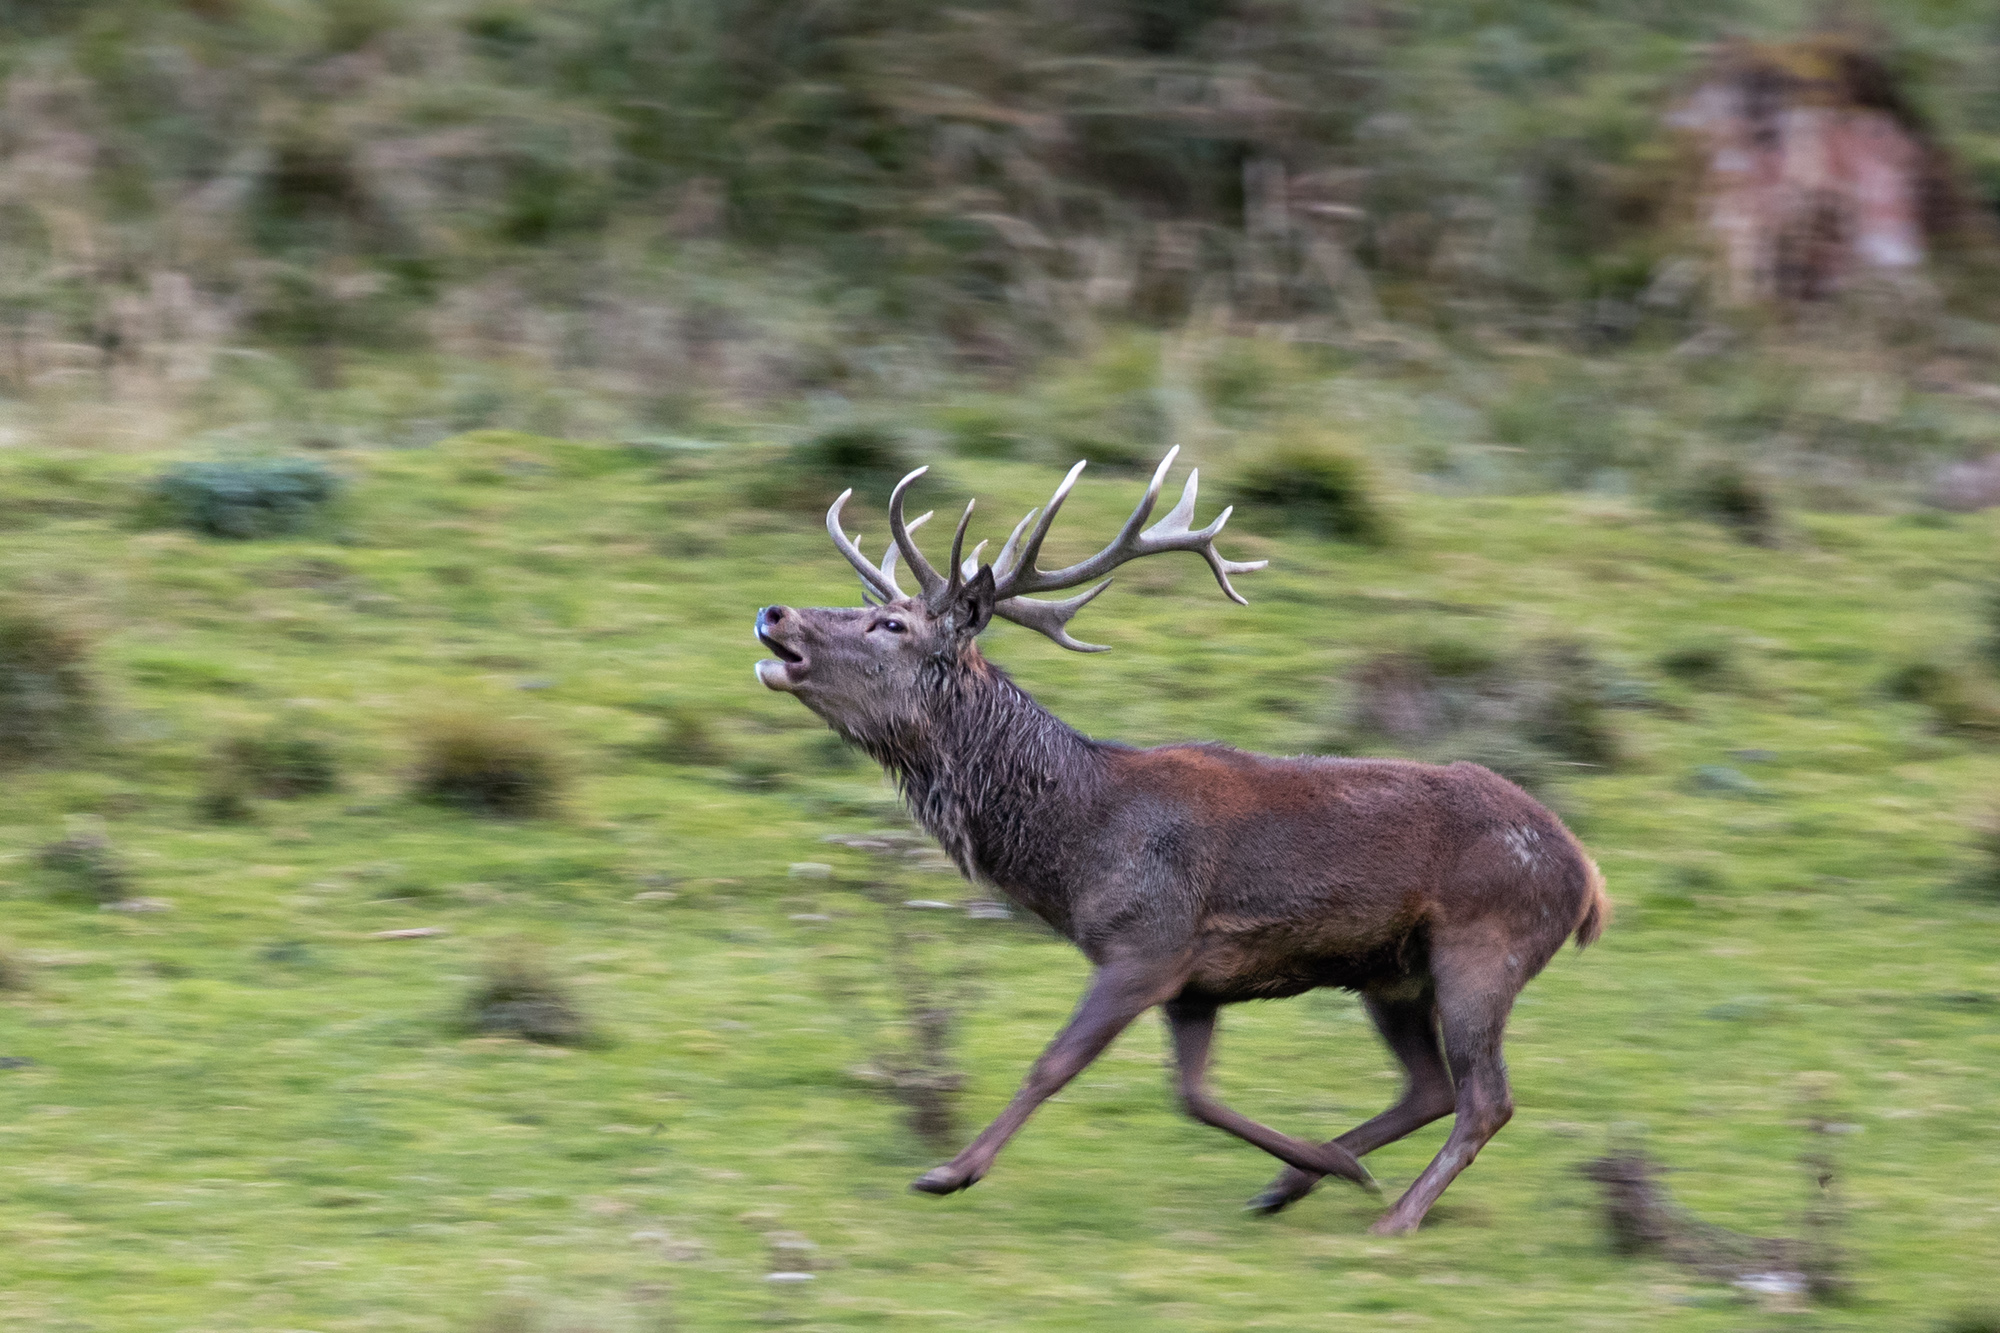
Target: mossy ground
point(246, 1112)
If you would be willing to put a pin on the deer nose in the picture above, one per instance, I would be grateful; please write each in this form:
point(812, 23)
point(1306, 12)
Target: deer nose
point(770, 615)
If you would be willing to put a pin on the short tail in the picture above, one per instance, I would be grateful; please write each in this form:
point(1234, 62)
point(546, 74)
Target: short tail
point(1596, 907)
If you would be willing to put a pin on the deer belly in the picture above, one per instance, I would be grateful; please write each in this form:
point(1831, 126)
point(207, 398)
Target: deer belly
point(1242, 959)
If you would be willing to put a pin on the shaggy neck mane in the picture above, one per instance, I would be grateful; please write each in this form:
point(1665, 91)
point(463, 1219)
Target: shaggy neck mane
point(980, 767)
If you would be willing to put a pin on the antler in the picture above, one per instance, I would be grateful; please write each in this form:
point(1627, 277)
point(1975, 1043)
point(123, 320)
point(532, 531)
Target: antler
point(1014, 572)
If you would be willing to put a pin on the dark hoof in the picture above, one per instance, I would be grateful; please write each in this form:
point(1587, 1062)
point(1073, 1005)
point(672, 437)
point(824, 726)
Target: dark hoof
point(1368, 1184)
point(1272, 1201)
point(942, 1180)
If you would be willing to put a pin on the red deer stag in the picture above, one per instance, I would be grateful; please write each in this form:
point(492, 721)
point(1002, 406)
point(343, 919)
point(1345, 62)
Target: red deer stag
point(1195, 876)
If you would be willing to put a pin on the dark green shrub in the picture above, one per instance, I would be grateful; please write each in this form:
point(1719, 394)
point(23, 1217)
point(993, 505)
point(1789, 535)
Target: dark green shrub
point(1958, 700)
point(48, 700)
point(1314, 485)
point(517, 995)
point(246, 498)
point(86, 865)
point(1706, 663)
point(502, 768)
point(1734, 497)
point(868, 457)
point(280, 764)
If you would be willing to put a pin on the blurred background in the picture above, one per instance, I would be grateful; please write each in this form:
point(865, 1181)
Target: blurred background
point(413, 916)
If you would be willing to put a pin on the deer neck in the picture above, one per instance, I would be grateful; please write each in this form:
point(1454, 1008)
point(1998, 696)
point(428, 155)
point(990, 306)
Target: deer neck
point(997, 779)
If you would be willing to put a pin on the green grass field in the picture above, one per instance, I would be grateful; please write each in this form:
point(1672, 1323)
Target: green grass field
point(246, 1112)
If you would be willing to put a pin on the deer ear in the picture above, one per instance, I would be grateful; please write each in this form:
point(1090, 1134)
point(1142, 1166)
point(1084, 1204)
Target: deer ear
point(970, 611)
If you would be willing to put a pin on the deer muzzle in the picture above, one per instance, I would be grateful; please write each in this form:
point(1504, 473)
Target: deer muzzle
point(777, 627)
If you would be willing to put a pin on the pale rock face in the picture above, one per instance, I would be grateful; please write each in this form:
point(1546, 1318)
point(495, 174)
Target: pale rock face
point(1805, 187)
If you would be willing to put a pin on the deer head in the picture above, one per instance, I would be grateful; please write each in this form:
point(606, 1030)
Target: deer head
point(870, 670)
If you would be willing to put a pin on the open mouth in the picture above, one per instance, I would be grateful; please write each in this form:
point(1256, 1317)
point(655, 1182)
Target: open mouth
point(785, 654)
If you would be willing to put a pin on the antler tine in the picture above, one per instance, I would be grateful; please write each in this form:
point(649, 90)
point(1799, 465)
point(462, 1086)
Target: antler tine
point(889, 552)
point(880, 581)
point(957, 565)
point(971, 565)
point(1024, 565)
point(1003, 564)
point(1172, 533)
point(931, 581)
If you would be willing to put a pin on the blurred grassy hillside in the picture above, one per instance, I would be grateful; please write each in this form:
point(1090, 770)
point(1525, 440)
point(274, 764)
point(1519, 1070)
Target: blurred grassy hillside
point(247, 1109)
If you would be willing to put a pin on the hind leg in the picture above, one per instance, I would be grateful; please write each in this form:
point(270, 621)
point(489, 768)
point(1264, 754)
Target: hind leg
point(1409, 1026)
point(1475, 989)
point(1193, 1023)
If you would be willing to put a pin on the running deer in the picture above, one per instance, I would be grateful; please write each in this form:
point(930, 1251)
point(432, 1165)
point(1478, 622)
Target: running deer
point(1194, 876)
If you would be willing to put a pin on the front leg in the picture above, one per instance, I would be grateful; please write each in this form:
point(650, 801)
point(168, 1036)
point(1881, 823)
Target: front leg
point(1119, 993)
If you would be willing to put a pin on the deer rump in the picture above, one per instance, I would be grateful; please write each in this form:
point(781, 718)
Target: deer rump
point(1195, 876)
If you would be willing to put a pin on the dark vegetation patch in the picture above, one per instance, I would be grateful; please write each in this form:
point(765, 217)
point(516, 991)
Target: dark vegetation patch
point(1731, 496)
point(281, 763)
point(519, 995)
point(246, 498)
point(48, 695)
point(502, 768)
point(1959, 701)
point(1527, 715)
point(1315, 485)
point(869, 457)
point(1703, 663)
point(86, 865)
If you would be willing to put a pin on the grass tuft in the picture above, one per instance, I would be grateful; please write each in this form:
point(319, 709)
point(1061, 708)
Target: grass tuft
point(86, 865)
point(500, 768)
point(518, 995)
point(1732, 496)
point(48, 698)
point(281, 764)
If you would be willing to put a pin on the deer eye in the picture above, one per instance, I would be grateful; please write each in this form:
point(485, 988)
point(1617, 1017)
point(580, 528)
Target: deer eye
point(893, 626)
